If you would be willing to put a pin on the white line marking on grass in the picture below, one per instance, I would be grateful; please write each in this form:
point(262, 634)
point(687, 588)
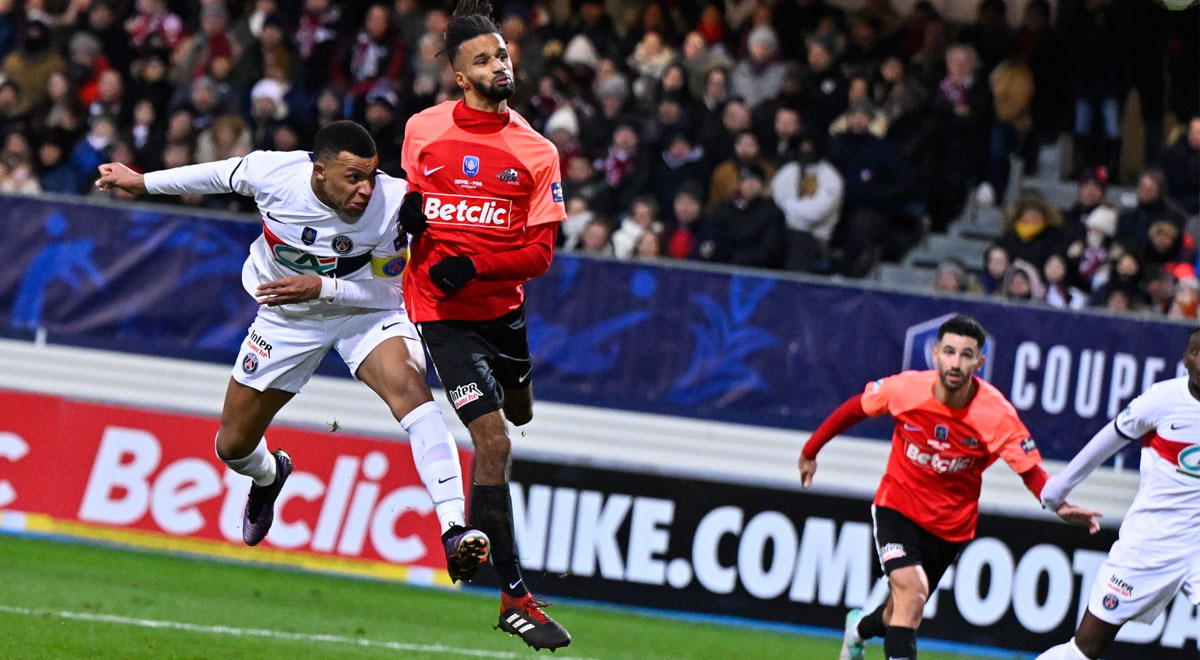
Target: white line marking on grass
point(270, 634)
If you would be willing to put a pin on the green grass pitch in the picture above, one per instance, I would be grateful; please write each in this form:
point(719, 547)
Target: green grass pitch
point(65, 600)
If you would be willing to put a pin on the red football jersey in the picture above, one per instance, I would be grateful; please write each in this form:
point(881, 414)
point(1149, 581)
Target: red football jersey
point(939, 454)
point(487, 179)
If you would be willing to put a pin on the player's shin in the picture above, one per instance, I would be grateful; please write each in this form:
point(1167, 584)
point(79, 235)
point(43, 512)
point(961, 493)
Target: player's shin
point(436, 458)
point(491, 513)
point(259, 464)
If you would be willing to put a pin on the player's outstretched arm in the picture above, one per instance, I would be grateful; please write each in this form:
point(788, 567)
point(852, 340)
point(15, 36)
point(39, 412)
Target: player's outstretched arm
point(848, 414)
point(116, 175)
point(1077, 515)
point(1100, 448)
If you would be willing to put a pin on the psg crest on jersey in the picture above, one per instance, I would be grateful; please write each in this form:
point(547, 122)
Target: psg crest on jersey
point(250, 363)
point(342, 244)
point(470, 165)
point(308, 236)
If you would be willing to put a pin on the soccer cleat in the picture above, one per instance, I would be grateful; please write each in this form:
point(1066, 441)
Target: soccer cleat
point(853, 646)
point(466, 549)
point(260, 505)
point(524, 617)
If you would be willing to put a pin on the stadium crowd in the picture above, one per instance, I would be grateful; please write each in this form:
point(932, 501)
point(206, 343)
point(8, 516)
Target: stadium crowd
point(793, 134)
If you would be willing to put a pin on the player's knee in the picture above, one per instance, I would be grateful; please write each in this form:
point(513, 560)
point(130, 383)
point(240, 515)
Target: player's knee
point(493, 447)
point(1090, 647)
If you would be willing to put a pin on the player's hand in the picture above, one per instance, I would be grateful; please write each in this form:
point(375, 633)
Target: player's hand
point(1080, 516)
point(412, 214)
point(288, 290)
point(451, 273)
point(807, 469)
point(116, 175)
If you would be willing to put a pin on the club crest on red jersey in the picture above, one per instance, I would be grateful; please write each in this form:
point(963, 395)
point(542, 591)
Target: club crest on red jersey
point(470, 165)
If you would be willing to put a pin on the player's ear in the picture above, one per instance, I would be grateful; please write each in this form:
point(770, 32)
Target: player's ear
point(319, 170)
point(461, 80)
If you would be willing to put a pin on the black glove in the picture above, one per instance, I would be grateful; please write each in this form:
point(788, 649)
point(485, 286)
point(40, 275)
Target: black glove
point(412, 215)
point(452, 272)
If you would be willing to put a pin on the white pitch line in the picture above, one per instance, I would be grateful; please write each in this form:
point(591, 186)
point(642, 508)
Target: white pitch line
point(270, 634)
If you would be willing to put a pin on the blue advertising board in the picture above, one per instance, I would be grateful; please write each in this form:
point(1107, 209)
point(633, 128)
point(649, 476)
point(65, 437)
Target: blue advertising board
point(670, 339)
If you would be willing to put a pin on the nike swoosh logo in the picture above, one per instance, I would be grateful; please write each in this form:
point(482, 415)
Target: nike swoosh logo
point(442, 481)
point(431, 170)
point(388, 325)
point(1177, 426)
point(514, 584)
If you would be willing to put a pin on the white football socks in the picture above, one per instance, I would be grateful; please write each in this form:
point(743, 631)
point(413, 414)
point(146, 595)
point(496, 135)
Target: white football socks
point(436, 458)
point(259, 464)
point(1066, 651)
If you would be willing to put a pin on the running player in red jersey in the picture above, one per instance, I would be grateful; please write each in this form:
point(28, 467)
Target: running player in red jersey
point(950, 426)
point(492, 201)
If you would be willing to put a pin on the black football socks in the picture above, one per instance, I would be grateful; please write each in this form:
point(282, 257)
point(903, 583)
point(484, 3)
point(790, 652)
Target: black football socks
point(491, 513)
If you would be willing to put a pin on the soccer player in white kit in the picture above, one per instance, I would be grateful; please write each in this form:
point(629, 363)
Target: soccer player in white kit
point(1156, 554)
point(325, 272)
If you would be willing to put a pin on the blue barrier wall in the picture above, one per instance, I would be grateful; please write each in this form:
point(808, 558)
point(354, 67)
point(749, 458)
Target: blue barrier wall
point(669, 339)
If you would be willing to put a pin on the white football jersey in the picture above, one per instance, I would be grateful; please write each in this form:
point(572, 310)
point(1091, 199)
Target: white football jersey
point(1166, 418)
point(300, 233)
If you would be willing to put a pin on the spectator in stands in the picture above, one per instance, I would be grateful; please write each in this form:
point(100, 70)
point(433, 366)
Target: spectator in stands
point(267, 110)
point(15, 118)
point(316, 39)
point(149, 80)
point(1124, 280)
point(1090, 253)
point(860, 89)
point(154, 19)
point(825, 86)
point(1181, 166)
point(1152, 206)
point(626, 175)
point(56, 174)
point(376, 54)
point(1100, 74)
point(649, 246)
point(613, 97)
point(683, 236)
point(1165, 246)
point(1022, 282)
point(102, 22)
point(996, 261)
point(210, 43)
point(110, 96)
point(1186, 302)
point(715, 91)
point(748, 230)
point(682, 161)
point(649, 60)
point(95, 148)
point(228, 137)
point(86, 61)
point(1034, 229)
point(1061, 291)
point(878, 185)
point(1039, 47)
point(717, 136)
point(963, 112)
point(1012, 133)
point(990, 35)
point(382, 122)
point(759, 76)
point(723, 184)
point(596, 238)
point(642, 218)
point(952, 276)
point(699, 60)
point(30, 65)
point(809, 192)
point(1093, 186)
point(782, 141)
point(1159, 289)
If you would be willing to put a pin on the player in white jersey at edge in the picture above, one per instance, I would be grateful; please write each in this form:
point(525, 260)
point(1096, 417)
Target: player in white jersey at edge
point(1156, 555)
point(326, 273)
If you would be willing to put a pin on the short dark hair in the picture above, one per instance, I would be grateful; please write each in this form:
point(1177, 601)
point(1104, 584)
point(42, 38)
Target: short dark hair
point(472, 18)
point(961, 324)
point(343, 135)
point(1195, 331)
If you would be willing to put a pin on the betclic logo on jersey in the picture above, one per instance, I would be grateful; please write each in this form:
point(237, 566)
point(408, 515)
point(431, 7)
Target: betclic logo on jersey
point(468, 211)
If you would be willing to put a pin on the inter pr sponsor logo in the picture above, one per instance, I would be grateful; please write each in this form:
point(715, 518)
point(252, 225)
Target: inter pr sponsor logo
point(464, 394)
point(468, 211)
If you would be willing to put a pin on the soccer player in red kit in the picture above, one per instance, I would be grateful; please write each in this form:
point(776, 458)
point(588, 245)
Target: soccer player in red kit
point(950, 426)
point(492, 199)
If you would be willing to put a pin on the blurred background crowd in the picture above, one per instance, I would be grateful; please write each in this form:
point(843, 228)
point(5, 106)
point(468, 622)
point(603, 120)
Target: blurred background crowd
point(812, 136)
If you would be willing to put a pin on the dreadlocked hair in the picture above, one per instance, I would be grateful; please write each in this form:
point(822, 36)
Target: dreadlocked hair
point(471, 19)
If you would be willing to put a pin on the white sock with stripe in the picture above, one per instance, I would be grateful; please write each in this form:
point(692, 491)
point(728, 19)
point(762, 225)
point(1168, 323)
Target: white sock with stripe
point(436, 458)
point(259, 465)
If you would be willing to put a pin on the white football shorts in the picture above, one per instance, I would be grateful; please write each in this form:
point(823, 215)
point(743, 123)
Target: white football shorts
point(282, 349)
point(1137, 583)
